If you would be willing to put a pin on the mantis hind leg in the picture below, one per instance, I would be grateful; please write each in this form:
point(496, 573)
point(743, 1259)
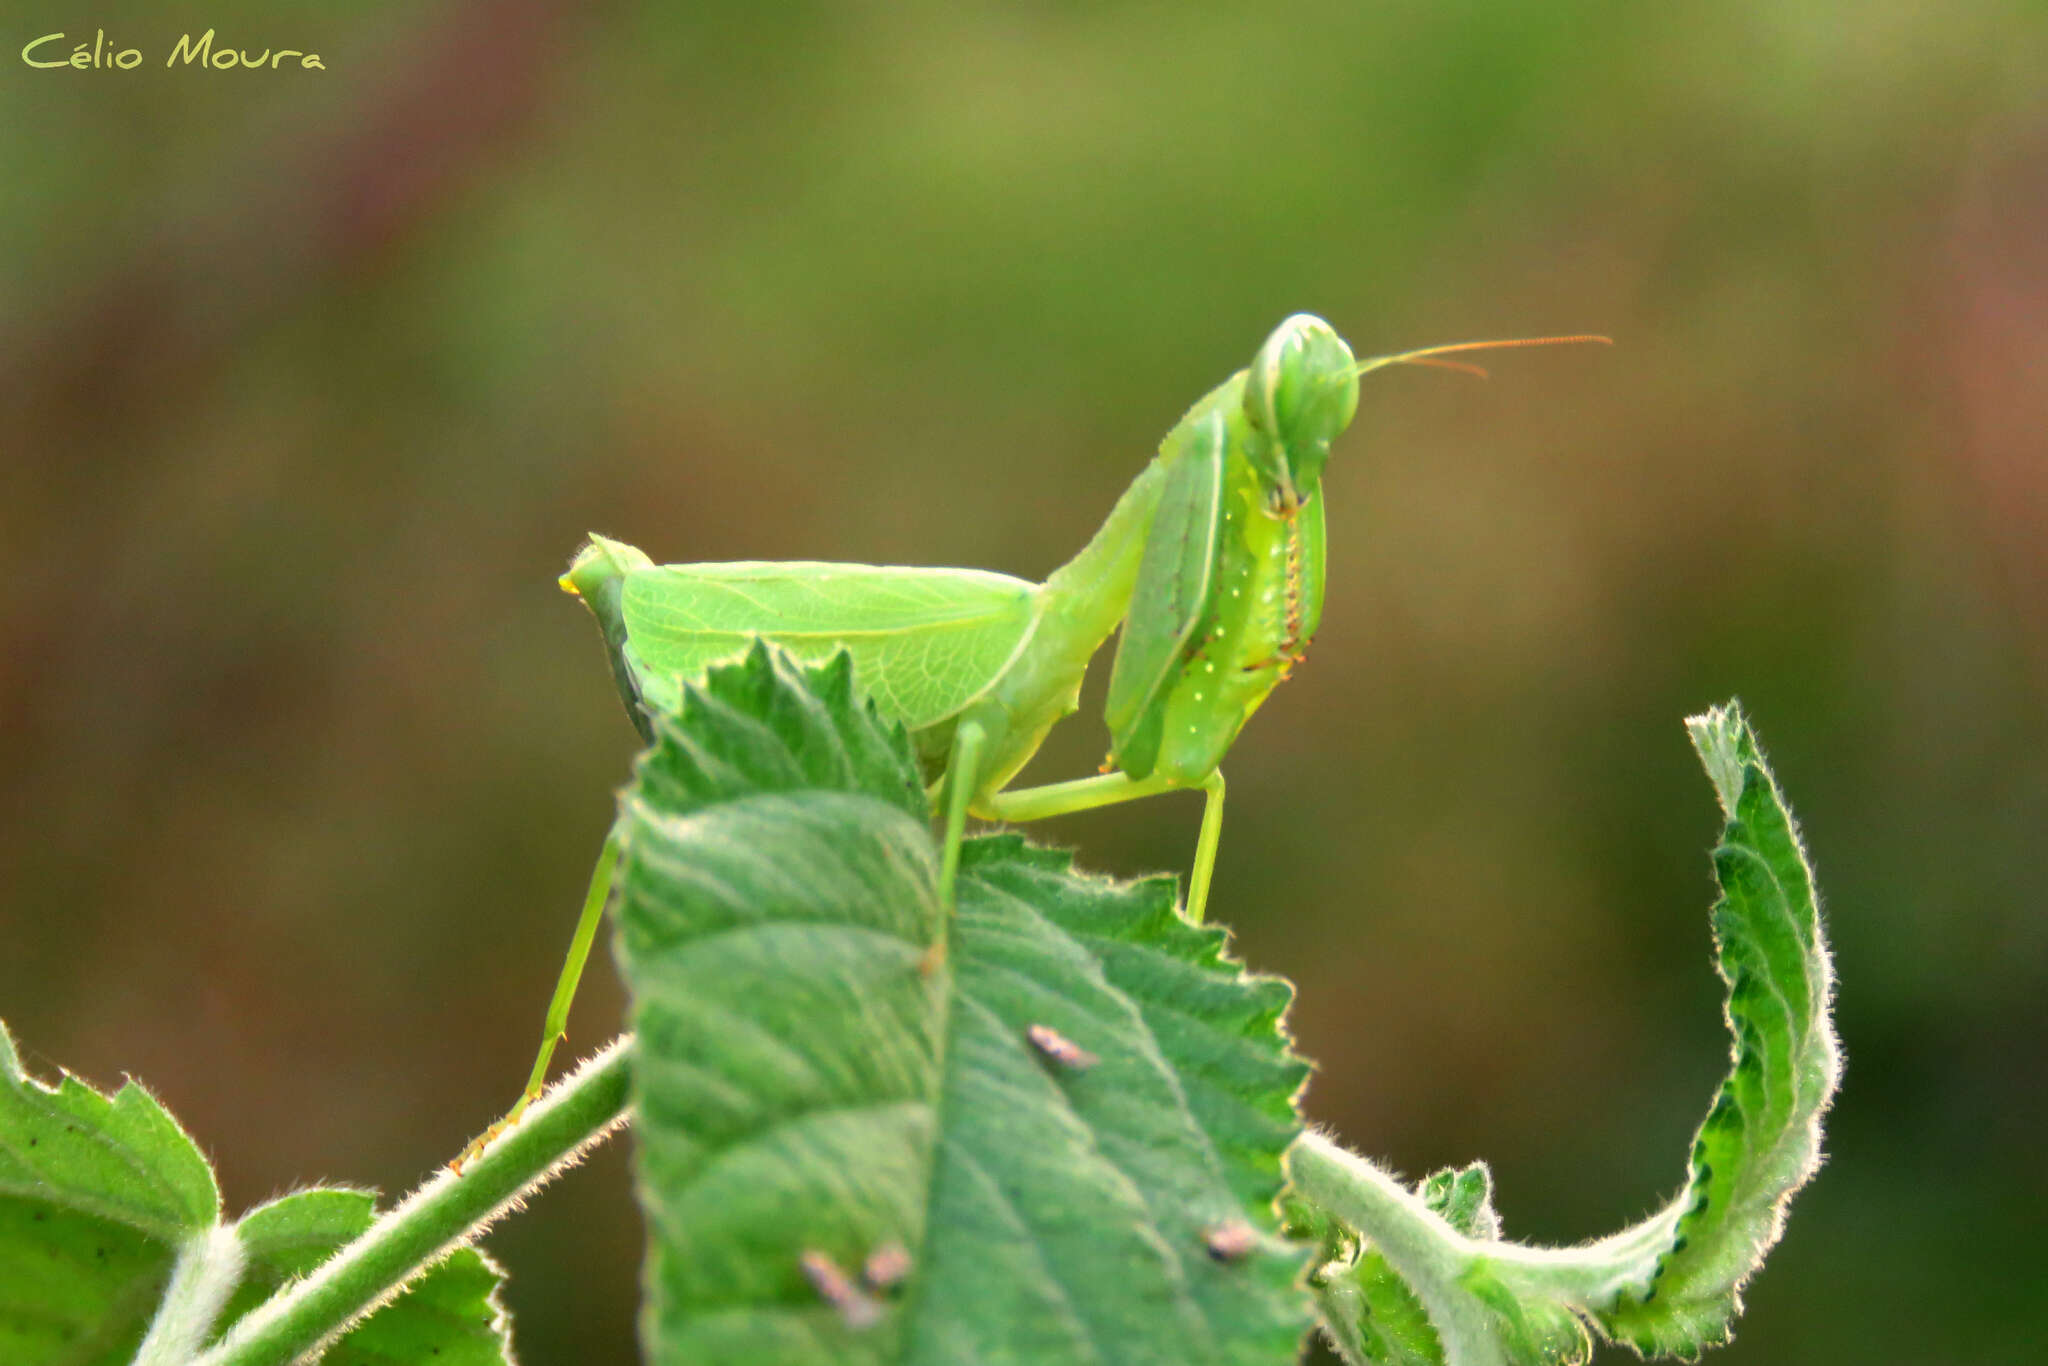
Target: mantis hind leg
point(555, 1029)
point(1085, 794)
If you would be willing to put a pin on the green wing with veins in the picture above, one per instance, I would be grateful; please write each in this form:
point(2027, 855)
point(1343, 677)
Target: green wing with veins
point(925, 642)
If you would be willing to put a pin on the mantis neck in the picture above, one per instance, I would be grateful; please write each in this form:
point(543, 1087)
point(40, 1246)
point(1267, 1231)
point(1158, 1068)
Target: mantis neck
point(1093, 590)
point(1078, 606)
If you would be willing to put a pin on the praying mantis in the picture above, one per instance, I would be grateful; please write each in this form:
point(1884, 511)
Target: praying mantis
point(1212, 562)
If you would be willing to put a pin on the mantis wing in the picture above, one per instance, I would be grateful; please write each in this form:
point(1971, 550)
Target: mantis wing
point(1172, 594)
point(925, 642)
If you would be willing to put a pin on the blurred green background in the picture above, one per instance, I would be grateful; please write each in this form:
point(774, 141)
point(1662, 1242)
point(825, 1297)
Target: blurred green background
point(311, 381)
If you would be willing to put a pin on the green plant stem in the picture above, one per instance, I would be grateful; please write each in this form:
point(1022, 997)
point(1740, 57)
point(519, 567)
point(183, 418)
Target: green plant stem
point(1433, 1257)
point(1421, 1247)
point(446, 1212)
point(208, 1267)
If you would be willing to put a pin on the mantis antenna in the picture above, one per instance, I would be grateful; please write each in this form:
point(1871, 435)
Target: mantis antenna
point(1427, 355)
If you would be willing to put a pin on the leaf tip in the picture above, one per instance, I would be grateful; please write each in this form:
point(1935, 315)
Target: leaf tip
point(1721, 736)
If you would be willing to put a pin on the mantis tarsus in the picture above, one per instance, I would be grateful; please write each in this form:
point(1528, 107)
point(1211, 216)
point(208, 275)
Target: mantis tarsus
point(1212, 562)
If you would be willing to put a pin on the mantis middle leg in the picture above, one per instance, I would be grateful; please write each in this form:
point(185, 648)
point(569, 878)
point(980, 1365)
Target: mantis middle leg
point(1084, 794)
point(963, 775)
point(1060, 799)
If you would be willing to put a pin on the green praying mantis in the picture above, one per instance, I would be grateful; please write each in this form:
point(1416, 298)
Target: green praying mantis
point(1212, 562)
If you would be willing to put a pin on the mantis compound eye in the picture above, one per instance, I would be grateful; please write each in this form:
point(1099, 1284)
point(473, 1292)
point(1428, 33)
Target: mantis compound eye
point(1301, 391)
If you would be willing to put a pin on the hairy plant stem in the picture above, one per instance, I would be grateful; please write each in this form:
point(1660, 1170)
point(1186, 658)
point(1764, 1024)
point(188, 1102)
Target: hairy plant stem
point(208, 1266)
point(445, 1213)
point(1421, 1247)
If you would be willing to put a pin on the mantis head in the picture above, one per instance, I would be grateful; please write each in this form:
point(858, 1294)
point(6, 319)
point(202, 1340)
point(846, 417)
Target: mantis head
point(1301, 391)
point(599, 566)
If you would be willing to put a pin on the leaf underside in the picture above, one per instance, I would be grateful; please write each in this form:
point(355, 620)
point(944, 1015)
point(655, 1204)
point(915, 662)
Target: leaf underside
point(1670, 1285)
point(926, 642)
point(829, 1068)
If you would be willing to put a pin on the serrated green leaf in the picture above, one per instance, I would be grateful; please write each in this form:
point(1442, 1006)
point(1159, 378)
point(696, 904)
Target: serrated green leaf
point(450, 1316)
point(120, 1157)
point(818, 1082)
point(1671, 1284)
point(98, 1195)
point(1761, 1139)
point(103, 1198)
